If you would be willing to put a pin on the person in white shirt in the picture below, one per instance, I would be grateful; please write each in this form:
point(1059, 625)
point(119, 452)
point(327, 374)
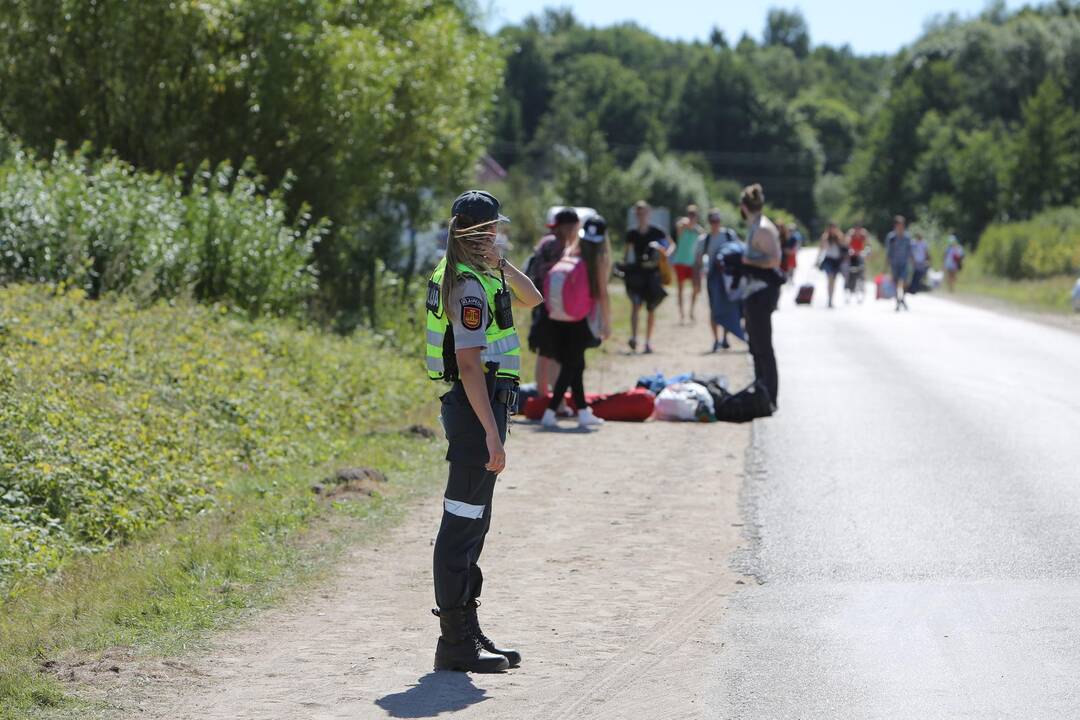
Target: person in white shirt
point(920, 252)
point(762, 262)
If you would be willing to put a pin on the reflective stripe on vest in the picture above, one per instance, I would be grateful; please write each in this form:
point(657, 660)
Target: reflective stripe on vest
point(502, 346)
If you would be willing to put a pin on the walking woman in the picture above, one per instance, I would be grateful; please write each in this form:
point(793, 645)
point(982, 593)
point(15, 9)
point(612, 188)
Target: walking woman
point(687, 236)
point(472, 343)
point(833, 251)
point(762, 263)
point(953, 262)
point(577, 288)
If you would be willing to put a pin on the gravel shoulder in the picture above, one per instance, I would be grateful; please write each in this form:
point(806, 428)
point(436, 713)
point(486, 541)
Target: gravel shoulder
point(608, 565)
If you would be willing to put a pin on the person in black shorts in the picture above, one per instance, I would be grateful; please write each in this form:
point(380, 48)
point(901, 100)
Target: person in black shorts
point(644, 244)
point(564, 233)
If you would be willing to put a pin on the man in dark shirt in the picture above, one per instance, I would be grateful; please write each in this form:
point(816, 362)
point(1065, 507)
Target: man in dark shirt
point(644, 245)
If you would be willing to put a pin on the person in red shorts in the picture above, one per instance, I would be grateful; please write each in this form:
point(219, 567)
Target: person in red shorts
point(687, 234)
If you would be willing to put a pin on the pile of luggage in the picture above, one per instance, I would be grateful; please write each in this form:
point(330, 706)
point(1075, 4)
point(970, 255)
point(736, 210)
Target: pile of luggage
point(707, 399)
point(685, 398)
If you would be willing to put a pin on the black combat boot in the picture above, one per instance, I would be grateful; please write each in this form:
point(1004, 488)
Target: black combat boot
point(512, 656)
point(460, 649)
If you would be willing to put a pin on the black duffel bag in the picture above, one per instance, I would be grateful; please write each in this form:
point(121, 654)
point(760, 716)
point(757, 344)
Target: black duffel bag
point(751, 402)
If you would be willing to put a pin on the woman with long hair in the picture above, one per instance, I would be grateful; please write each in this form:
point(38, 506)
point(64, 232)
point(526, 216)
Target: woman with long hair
point(832, 254)
point(472, 343)
point(588, 260)
point(762, 262)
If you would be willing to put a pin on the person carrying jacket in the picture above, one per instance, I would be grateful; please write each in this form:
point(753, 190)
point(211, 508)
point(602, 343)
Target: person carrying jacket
point(473, 345)
point(761, 261)
point(724, 312)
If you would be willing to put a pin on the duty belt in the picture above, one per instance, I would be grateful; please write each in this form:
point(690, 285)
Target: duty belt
point(506, 395)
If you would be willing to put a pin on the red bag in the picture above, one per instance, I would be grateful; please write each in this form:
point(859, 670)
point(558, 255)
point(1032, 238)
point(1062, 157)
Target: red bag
point(633, 406)
point(537, 404)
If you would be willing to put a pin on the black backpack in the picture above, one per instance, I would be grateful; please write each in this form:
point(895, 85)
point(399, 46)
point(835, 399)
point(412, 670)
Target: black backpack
point(751, 402)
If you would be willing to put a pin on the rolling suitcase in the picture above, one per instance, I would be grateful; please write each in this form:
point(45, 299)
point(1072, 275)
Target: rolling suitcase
point(804, 295)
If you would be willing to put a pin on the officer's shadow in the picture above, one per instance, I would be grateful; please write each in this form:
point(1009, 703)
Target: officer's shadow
point(432, 695)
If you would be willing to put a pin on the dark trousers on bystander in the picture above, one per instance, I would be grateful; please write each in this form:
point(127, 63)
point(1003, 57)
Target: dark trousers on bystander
point(759, 308)
point(570, 340)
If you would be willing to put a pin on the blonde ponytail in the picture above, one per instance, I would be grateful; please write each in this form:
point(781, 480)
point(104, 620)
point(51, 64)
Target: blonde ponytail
point(464, 245)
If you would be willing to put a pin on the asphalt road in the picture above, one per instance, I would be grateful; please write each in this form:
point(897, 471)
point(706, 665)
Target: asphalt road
point(913, 515)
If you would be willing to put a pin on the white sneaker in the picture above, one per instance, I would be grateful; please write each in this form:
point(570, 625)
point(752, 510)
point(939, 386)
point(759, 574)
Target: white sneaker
point(550, 420)
point(585, 418)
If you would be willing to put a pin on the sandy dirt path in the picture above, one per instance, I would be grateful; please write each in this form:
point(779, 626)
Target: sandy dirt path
point(608, 566)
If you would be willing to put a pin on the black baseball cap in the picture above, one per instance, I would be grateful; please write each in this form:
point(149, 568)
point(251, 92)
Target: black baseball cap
point(566, 215)
point(479, 205)
point(594, 229)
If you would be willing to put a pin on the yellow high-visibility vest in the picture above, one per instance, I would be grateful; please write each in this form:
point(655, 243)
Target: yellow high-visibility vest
point(503, 345)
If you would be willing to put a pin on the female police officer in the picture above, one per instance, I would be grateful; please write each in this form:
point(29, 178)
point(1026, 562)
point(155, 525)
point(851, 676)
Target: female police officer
point(472, 343)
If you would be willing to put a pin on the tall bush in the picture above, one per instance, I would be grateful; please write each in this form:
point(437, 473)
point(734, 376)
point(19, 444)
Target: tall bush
point(103, 226)
point(1046, 245)
point(115, 419)
point(369, 105)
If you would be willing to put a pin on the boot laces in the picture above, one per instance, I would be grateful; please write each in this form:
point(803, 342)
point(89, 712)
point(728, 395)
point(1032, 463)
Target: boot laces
point(473, 633)
point(474, 626)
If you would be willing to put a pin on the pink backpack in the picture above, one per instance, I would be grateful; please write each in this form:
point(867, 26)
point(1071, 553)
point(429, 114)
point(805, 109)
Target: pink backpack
point(566, 290)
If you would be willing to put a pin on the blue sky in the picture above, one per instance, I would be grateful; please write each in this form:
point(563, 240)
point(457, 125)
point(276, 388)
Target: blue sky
point(869, 26)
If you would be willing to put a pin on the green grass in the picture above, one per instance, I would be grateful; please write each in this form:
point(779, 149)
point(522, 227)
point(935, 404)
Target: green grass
point(156, 468)
point(256, 532)
point(115, 419)
point(1045, 295)
point(164, 594)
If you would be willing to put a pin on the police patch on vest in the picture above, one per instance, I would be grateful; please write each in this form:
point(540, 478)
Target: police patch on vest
point(472, 313)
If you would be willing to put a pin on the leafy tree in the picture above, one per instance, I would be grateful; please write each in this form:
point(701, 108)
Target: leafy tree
point(788, 28)
point(526, 95)
point(668, 181)
point(618, 101)
point(978, 171)
point(745, 134)
point(586, 173)
point(835, 124)
point(1046, 151)
point(979, 121)
point(371, 105)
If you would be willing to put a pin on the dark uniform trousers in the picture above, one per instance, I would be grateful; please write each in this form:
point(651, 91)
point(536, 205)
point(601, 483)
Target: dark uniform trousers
point(467, 501)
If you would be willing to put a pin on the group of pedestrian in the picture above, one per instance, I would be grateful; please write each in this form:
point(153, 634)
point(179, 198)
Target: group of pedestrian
point(843, 255)
point(908, 257)
point(473, 345)
point(742, 279)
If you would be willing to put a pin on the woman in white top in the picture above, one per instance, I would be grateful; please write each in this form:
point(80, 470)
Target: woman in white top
point(762, 263)
point(832, 253)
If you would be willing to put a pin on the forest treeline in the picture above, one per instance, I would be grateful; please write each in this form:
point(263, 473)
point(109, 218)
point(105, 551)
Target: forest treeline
point(977, 122)
point(355, 121)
